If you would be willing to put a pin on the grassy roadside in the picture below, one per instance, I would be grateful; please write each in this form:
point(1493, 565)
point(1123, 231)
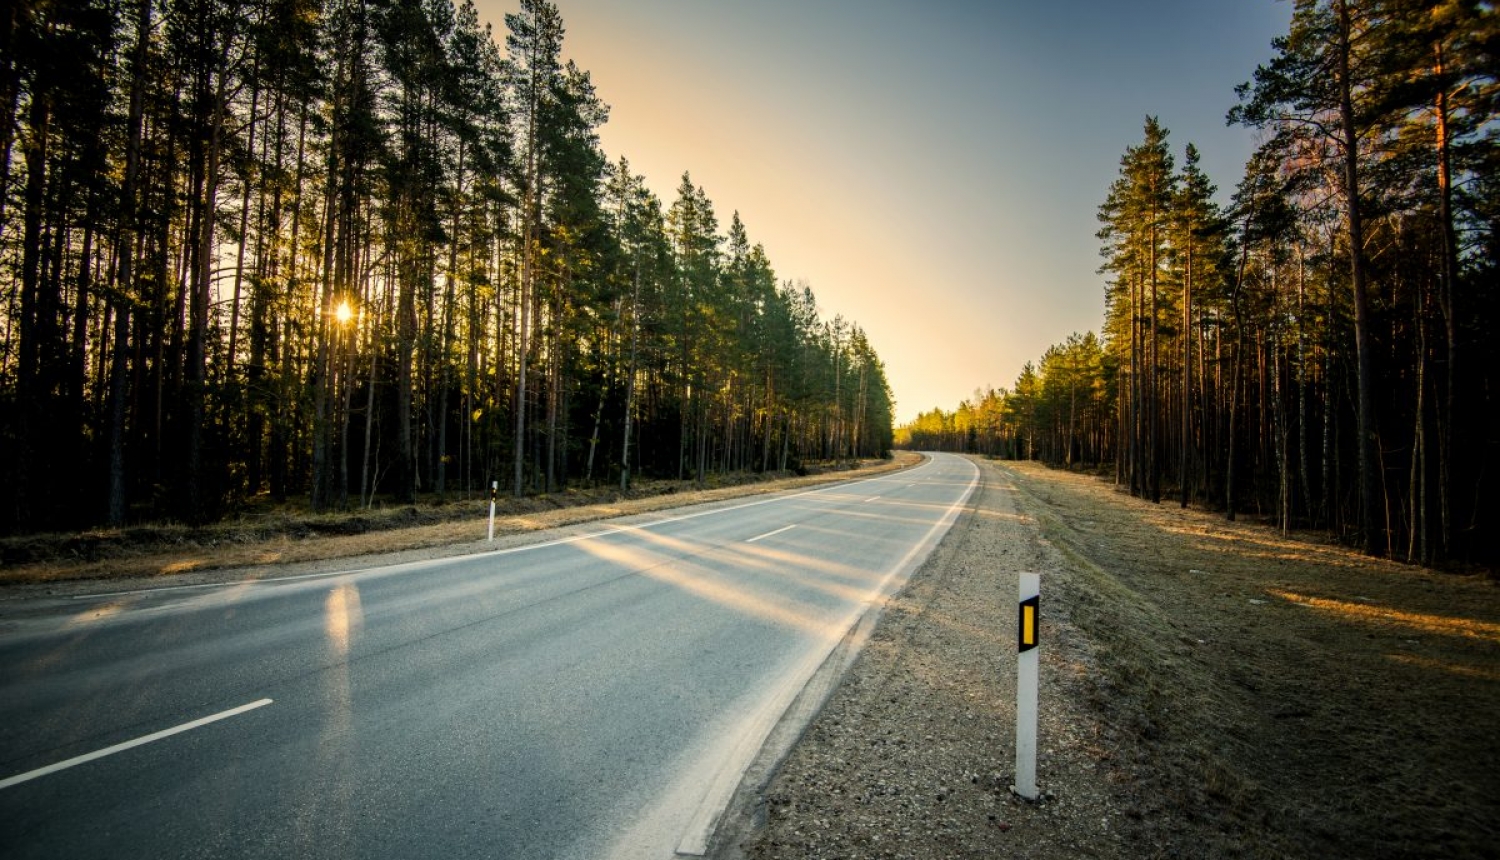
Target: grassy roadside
point(286, 536)
point(1272, 696)
point(1157, 705)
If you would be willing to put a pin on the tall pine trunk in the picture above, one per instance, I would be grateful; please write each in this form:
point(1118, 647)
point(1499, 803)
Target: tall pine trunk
point(635, 333)
point(123, 279)
point(1185, 443)
point(1230, 499)
point(1446, 414)
point(202, 294)
point(1369, 526)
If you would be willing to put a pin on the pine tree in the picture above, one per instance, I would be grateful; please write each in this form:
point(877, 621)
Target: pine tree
point(1135, 233)
point(1198, 251)
point(1312, 89)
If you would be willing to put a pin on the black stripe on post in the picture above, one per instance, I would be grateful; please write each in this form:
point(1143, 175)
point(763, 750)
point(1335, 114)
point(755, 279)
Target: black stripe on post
point(1027, 623)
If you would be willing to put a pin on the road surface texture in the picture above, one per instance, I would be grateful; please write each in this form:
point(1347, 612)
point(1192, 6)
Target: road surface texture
point(1209, 690)
point(593, 695)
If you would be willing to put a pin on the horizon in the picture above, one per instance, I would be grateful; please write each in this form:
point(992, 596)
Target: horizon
point(828, 149)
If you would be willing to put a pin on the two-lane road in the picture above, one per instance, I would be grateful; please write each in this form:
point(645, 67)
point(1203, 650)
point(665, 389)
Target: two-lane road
point(594, 695)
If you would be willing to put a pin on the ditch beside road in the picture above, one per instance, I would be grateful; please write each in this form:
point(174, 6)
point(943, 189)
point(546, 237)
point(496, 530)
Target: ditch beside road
point(1209, 689)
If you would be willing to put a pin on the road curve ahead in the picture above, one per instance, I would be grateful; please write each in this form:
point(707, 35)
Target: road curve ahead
point(593, 695)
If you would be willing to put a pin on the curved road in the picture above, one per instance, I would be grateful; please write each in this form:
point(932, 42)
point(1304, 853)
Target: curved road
point(594, 695)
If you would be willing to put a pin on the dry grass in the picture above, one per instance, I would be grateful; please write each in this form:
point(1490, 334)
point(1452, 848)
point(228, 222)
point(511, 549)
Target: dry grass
point(1279, 696)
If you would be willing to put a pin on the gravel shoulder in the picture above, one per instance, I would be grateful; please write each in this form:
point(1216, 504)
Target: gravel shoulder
point(1209, 689)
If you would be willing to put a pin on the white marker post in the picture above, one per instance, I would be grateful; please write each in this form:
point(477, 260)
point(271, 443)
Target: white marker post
point(1026, 685)
point(494, 489)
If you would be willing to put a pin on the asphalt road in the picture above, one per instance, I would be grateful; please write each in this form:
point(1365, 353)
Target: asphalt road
point(593, 695)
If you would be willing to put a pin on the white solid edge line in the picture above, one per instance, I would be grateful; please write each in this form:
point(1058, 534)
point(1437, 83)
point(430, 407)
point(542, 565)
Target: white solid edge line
point(705, 819)
point(771, 533)
point(121, 747)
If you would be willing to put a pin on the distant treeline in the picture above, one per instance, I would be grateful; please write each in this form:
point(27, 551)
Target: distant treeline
point(348, 249)
point(1323, 352)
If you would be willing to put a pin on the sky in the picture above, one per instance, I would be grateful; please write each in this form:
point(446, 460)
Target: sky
point(931, 168)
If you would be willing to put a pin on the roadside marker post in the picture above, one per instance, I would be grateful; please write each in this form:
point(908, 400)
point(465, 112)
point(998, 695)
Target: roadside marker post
point(494, 490)
point(1027, 658)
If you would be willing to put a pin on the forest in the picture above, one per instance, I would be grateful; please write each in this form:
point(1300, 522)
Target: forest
point(1320, 351)
point(352, 252)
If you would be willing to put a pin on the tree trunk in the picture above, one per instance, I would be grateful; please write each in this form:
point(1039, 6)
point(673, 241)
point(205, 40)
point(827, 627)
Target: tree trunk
point(366, 486)
point(1446, 415)
point(1302, 453)
point(1153, 445)
point(406, 335)
point(635, 331)
point(554, 384)
point(1369, 525)
point(28, 369)
point(11, 23)
point(525, 290)
point(239, 266)
point(202, 294)
point(445, 381)
point(1417, 548)
point(1234, 394)
point(1187, 376)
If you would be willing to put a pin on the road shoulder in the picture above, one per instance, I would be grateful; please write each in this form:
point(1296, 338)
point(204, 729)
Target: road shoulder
point(913, 755)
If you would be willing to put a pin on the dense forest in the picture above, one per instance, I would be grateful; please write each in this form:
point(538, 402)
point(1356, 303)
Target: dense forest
point(1321, 350)
point(343, 250)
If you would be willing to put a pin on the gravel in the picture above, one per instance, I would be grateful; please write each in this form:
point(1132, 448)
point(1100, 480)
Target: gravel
point(913, 755)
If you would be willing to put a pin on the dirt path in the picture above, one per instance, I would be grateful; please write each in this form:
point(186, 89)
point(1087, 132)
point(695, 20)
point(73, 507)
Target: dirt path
point(1210, 689)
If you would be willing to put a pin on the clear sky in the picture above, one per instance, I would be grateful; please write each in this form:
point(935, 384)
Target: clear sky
point(932, 168)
